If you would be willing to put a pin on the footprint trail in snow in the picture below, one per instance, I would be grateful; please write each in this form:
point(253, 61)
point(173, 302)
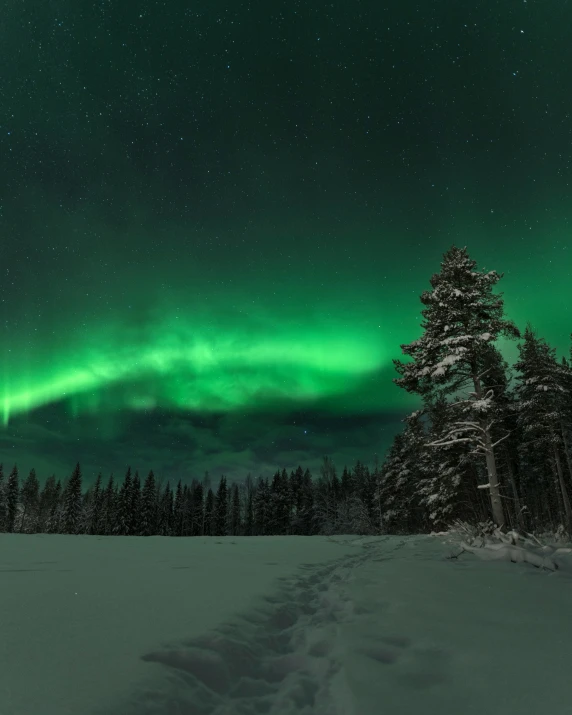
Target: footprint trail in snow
point(395, 629)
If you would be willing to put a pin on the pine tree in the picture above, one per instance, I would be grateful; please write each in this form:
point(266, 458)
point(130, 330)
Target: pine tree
point(250, 489)
point(327, 495)
point(447, 489)
point(280, 504)
point(295, 489)
point(566, 415)
point(46, 503)
point(461, 316)
point(307, 519)
point(85, 512)
point(209, 525)
point(95, 508)
point(364, 506)
point(178, 511)
point(504, 430)
point(135, 507)
point(400, 486)
point(220, 508)
point(165, 514)
point(122, 526)
point(12, 495)
point(29, 497)
point(542, 406)
point(187, 528)
point(565, 410)
point(347, 493)
point(262, 508)
point(149, 506)
point(3, 497)
point(109, 509)
point(54, 522)
point(72, 503)
point(197, 511)
point(235, 521)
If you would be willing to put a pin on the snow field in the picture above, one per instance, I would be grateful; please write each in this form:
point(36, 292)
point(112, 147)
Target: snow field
point(78, 612)
point(278, 625)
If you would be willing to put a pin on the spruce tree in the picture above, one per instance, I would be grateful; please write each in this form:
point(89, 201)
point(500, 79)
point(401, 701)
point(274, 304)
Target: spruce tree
point(12, 495)
point(96, 508)
point(235, 520)
point(461, 316)
point(149, 506)
point(187, 511)
point(400, 489)
point(3, 505)
point(447, 489)
point(72, 503)
point(197, 511)
point(364, 505)
point(307, 519)
point(327, 494)
point(250, 489)
point(280, 504)
point(122, 526)
point(208, 524)
point(45, 503)
point(344, 519)
point(504, 430)
point(54, 522)
point(542, 406)
point(108, 507)
point(85, 512)
point(178, 511)
point(135, 507)
point(165, 516)
point(220, 508)
point(29, 499)
point(262, 508)
point(295, 488)
point(566, 416)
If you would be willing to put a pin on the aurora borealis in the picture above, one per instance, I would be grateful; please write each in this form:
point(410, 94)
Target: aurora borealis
point(217, 218)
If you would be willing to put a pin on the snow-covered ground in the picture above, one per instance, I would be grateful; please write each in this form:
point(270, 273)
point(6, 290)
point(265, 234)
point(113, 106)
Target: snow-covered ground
point(277, 625)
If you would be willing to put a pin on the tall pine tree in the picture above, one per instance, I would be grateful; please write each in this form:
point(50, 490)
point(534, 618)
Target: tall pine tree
point(461, 316)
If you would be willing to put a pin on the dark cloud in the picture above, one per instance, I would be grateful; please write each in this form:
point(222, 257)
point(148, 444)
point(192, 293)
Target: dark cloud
point(186, 445)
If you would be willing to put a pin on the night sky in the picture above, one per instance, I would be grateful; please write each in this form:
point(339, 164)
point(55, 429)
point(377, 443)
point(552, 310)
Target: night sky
point(216, 218)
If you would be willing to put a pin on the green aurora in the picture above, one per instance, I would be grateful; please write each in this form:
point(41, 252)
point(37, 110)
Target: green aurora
point(215, 226)
point(185, 366)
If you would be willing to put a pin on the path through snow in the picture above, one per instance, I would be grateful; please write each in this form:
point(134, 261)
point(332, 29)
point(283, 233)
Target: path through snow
point(394, 628)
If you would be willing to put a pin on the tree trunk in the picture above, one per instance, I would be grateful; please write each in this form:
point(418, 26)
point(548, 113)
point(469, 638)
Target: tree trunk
point(566, 450)
point(564, 491)
point(517, 507)
point(498, 514)
point(494, 491)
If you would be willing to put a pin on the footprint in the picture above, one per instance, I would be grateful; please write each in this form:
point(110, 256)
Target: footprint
point(380, 654)
point(208, 668)
point(398, 641)
point(320, 649)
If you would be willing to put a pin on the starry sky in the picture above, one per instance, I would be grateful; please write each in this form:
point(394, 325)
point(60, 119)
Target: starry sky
point(216, 218)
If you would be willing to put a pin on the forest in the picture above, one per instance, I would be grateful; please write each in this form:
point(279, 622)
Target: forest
point(489, 445)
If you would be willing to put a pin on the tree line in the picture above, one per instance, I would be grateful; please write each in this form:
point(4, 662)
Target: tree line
point(291, 503)
point(490, 443)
